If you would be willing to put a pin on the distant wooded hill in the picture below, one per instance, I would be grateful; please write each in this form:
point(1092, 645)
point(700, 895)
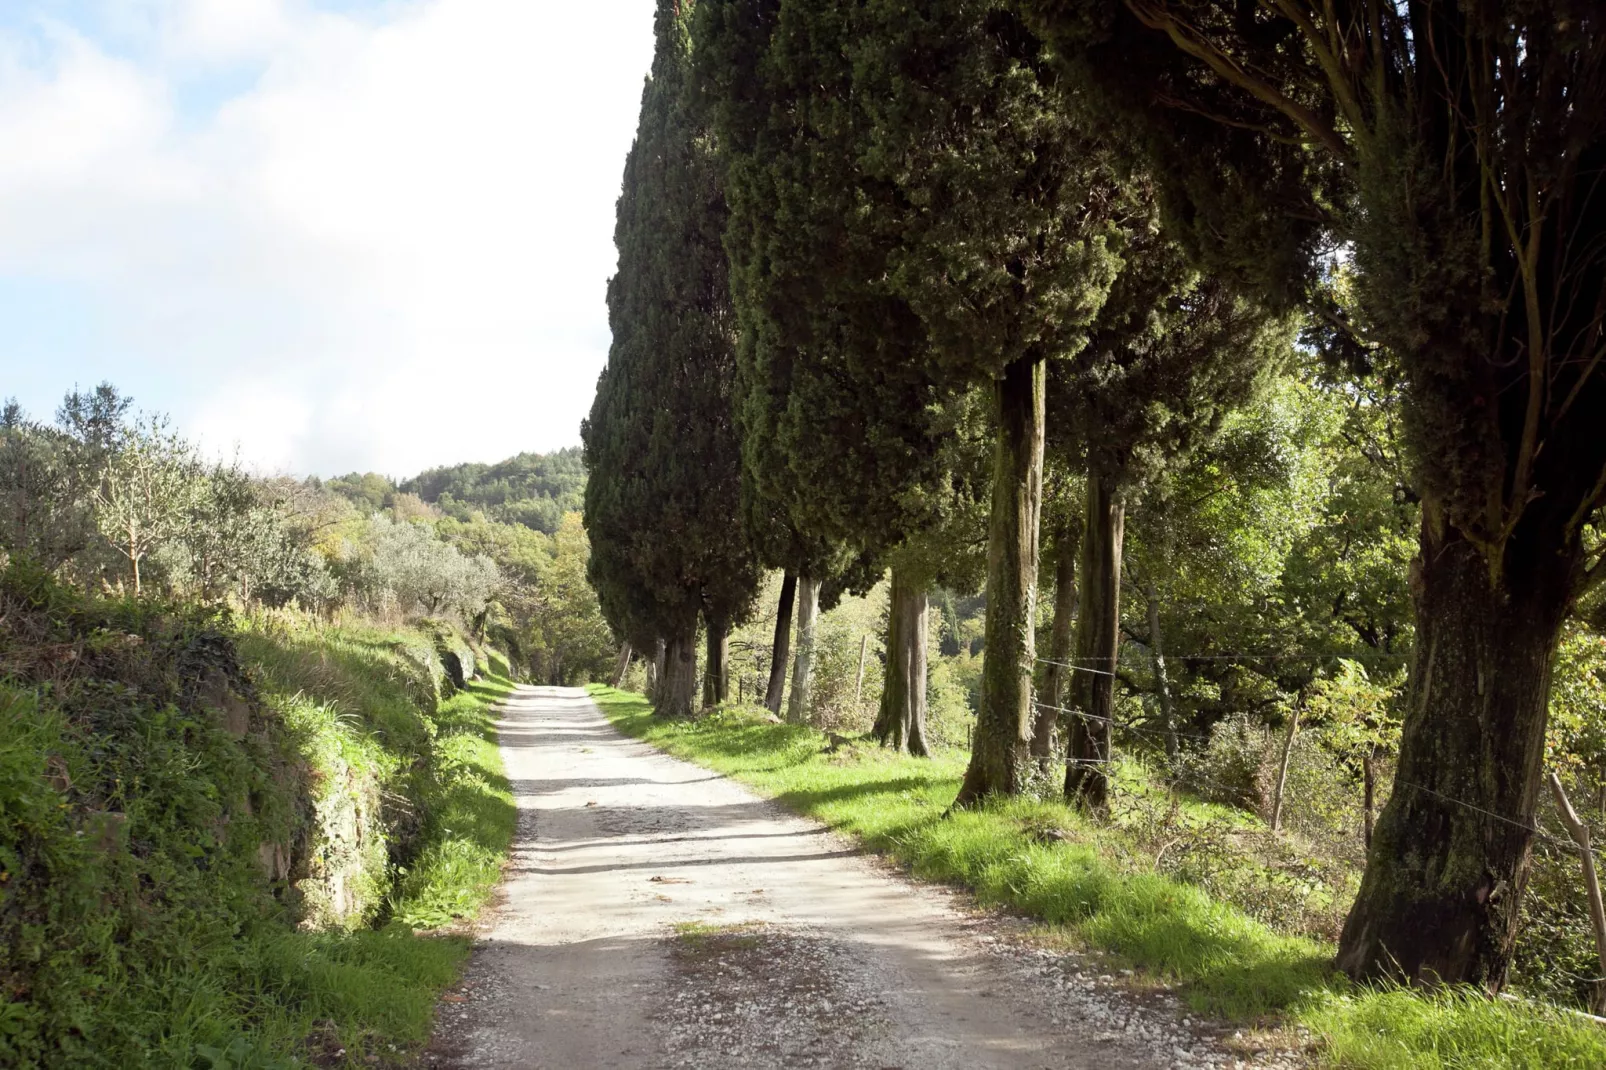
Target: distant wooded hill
point(533, 489)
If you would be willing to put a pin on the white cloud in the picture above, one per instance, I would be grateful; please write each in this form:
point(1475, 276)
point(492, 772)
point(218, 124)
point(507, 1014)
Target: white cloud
point(224, 30)
point(389, 253)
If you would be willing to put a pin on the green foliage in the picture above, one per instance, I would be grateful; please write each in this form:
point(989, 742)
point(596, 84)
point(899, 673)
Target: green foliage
point(1172, 354)
point(1556, 955)
point(1277, 550)
point(369, 492)
point(1577, 729)
point(887, 254)
point(48, 474)
point(953, 693)
point(446, 843)
point(663, 506)
point(532, 490)
point(167, 819)
point(147, 491)
point(1453, 1030)
point(1466, 240)
point(407, 567)
point(569, 641)
point(1083, 879)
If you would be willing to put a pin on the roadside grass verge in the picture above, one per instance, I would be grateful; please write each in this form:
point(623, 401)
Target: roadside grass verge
point(1048, 862)
point(181, 884)
point(365, 702)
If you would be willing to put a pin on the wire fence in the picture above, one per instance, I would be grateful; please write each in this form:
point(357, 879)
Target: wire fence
point(1531, 827)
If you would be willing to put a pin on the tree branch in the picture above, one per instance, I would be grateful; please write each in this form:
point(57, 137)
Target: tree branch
point(1194, 43)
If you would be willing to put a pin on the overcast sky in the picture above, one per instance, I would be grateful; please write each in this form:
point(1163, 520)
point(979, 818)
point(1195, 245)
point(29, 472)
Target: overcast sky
point(336, 234)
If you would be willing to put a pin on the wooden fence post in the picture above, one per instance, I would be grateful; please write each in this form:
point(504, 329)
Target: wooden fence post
point(1282, 772)
point(858, 687)
point(1597, 915)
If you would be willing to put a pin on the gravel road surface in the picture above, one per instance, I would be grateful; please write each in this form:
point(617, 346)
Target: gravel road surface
point(657, 915)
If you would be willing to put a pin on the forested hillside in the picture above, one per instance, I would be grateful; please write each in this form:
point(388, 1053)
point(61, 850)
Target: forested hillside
point(532, 489)
point(1184, 411)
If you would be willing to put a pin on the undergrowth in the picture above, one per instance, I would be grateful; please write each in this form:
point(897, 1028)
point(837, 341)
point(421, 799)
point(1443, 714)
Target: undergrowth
point(168, 896)
point(1047, 861)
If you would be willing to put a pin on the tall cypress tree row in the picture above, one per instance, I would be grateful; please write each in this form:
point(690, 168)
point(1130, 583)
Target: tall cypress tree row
point(912, 218)
point(663, 495)
point(847, 458)
point(993, 212)
point(1456, 148)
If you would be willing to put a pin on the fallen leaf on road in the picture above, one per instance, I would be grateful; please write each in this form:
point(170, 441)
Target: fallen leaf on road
point(670, 880)
point(593, 802)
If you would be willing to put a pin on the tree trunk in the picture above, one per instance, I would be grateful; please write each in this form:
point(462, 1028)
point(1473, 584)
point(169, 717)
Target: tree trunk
point(1067, 545)
point(901, 723)
point(1000, 754)
point(1444, 879)
point(716, 676)
point(1098, 641)
point(623, 666)
point(808, 606)
point(134, 560)
point(655, 670)
point(1162, 677)
point(780, 650)
point(1369, 796)
point(678, 685)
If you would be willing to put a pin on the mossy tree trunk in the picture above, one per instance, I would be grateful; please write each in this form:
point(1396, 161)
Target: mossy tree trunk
point(1067, 545)
point(1000, 754)
point(623, 666)
point(1098, 640)
point(808, 608)
point(781, 648)
point(901, 723)
point(716, 672)
point(677, 686)
point(1444, 879)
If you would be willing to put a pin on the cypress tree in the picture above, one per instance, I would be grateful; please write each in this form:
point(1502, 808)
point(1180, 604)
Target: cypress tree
point(663, 494)
point(1455, 148)
point(1172, 353)
point(991, 207)
point(912, 219)
point(848, 458)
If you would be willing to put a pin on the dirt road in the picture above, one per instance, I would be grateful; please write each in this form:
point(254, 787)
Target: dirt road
point(656, 915)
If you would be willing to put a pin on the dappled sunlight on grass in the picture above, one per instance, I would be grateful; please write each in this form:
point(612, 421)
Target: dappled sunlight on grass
point(1049, 862)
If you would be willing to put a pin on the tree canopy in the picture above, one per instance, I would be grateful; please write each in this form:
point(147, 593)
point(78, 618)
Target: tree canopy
point(663, 505)
point(1451, 150)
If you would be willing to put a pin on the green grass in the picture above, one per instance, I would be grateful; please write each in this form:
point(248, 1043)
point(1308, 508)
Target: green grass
point(363, 704)
point(138, 926)
point(1078, 881)
point(472, 814)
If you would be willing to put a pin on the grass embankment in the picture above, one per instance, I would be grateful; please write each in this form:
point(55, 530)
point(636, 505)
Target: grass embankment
point(216, 844)
point(1048, 862)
